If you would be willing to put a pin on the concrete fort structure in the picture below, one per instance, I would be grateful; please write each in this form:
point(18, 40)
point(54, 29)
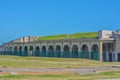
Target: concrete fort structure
point(105, 47)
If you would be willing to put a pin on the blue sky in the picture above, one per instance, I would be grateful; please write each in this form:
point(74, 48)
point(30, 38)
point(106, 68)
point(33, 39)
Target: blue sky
point(20, 18)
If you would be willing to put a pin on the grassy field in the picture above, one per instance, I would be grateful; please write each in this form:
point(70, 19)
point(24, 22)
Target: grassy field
point(69, 76)
point(42, 62)
point(69, 36)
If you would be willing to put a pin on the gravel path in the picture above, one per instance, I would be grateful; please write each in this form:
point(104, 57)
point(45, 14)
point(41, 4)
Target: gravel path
point(78, 70)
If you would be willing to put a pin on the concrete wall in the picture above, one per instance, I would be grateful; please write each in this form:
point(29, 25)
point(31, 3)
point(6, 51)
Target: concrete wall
point(104, 34)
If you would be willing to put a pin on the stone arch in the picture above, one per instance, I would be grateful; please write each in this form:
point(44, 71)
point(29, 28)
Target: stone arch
point(66, 51)
point(15, 48)
point(44, 52)
point(84, 51)
point(95, 52)
point(15, 51)
point(25, 51)
point(6, 48)
point(10, 48)
point(58, 51)
point(37, 51)
point(75, 51)
point(25, 48)
point(51, 51)
point(20, 50)
point(31, 50)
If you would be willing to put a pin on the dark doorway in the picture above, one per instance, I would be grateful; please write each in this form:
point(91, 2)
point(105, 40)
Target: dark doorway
point(118, 57)
point(110, 57)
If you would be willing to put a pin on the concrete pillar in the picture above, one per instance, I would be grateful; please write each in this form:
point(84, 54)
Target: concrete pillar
point(89, 53)
point(100, 51)
point(70, 51)
point(47, 54)
point(33, 52)
point(62, 50)
point(22, 49)
point(54, 51)
point(79, 52)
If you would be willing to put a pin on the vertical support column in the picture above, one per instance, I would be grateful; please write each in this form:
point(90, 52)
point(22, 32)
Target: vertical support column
point(54, 51)
point(70, 51)
point(61, 55)
point(79, 50)
point(100, 51)
point(28, 52)
point(33, 52)
point(89, 48)
point(89, 53)
point(22, 50)
point(47, 54)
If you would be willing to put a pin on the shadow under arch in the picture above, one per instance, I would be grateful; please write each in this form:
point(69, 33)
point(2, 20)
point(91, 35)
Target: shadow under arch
point(31, 53)
point(66, 53)
point(58, 51)
point(84, 52)
point(44, 52)
point(15, 51)
point(75, 51)
point(20, 51)
point(25, 51)
point(95, 52)
point(51, 51)
point(37, 51)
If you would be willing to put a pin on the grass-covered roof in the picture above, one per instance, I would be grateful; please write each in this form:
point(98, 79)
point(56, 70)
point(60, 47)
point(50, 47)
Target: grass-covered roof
point(69, 36)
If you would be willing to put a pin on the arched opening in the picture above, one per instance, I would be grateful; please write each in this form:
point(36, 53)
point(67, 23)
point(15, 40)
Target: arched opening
point(25, 51)
point(66, 53)
point(84, 52)
point(6, 51)
point(10, 50)
point(95, 52)
point(20, 51)
point(51, 51)
point(15, 48)
point(37, 51)
point(15, 51)
point(58, 51)
point(75, 51)
point(43, 51)
point(31, 51)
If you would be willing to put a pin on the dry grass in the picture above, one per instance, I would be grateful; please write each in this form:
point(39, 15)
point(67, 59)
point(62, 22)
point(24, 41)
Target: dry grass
point(42, 62)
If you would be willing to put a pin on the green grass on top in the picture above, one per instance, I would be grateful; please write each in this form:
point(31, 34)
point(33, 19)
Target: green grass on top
point(69, 36)
point(52, 37)
point(84, 35)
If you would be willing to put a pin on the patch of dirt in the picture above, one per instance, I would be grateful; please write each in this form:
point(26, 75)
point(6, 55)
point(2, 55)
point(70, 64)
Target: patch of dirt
point(47, 72)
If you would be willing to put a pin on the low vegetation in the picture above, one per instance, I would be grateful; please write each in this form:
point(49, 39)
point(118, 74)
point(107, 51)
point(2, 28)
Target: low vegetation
point(44, 62)
point(69, 76)
point(69, 36)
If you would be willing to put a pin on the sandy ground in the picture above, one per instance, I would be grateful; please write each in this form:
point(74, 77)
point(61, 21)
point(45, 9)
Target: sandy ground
point(15, 71)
